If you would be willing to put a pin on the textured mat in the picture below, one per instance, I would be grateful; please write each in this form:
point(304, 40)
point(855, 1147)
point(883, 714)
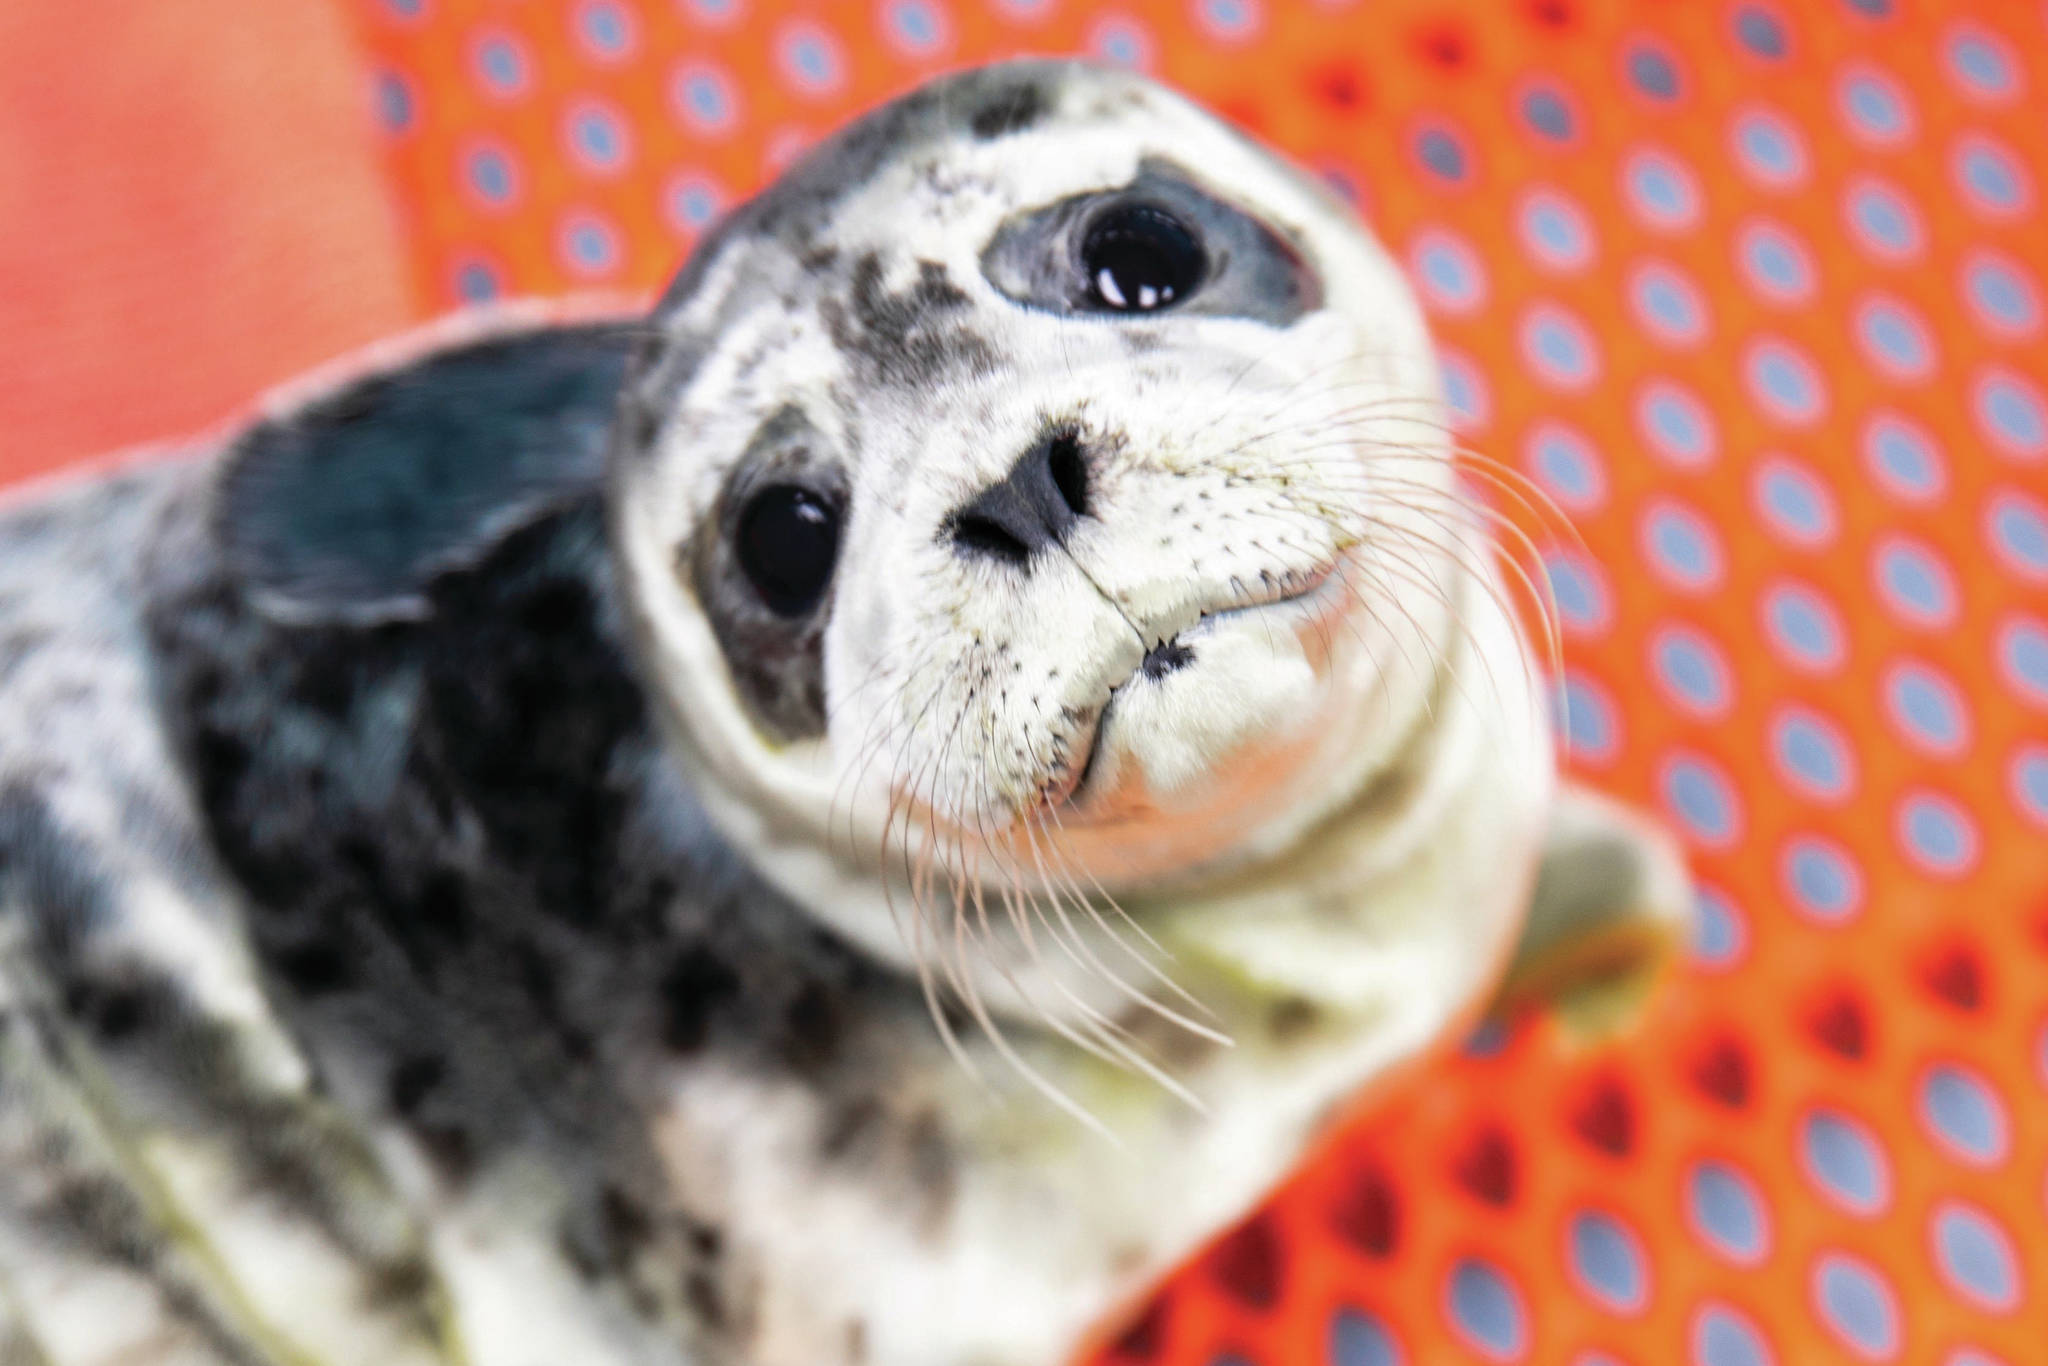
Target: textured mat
point(1754, 290)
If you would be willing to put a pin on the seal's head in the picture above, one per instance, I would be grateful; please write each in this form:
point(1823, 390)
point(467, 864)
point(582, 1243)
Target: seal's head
point(1040, 487)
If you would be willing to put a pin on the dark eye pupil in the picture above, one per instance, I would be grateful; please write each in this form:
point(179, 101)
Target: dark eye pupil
point(787, 540)
point(1139, 258)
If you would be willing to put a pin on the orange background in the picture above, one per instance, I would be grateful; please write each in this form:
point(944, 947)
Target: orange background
point(1754, 290)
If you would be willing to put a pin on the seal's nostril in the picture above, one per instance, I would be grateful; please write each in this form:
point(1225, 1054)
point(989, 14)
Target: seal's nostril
point(1030, 508)
point(983, 535)
point(1069, 471)
point(1166, 657)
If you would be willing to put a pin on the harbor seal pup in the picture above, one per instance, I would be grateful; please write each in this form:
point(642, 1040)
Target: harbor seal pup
point(854, 818)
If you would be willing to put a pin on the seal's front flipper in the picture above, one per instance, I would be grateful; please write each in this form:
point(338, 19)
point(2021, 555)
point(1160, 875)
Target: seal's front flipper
point(1612, 904)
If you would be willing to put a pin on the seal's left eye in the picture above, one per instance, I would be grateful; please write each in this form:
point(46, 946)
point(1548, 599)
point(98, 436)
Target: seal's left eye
point(1140, 257)
point(786, 542)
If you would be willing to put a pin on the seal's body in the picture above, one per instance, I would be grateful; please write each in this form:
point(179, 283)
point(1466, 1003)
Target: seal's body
point(856, 819)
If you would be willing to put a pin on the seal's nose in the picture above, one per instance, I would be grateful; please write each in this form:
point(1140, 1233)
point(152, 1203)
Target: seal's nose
point(1030, 508)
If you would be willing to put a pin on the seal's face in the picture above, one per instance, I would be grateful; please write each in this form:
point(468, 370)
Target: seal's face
point(1040, 486)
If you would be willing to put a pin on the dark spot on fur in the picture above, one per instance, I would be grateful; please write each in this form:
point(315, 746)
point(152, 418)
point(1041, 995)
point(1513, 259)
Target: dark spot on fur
point(412, 1079)
point(1009, 109)
point(1290, 1018)
point(903, 337)
point(316, 967)
point(811, 1028)
point(114, 1011)
point(450, 1147)
point(693, 989)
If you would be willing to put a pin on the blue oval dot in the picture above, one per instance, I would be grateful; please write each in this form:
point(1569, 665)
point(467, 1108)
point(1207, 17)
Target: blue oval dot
point(1894, 339)
point(1660, 190)
point(1822, 878)
point(1691, 669)
point(501, 65)
point(2013, 416)
point(1937, 834)
point(1464, 391)
point(1904, 458)
point(1976, 1258)
point(1441, 153)
point(1667, 303)
point(491, 175)
point(598, 138)
point(916, 24)
point(1568, 467)
point(1883, 221)
point(1989, 178)
point(1783, 383)
point(2030, 784)
point(1684, 547)
point(1723, 1337)
point(1609, 1262)
point(1719, 936)
point(1676, 424)
point(1546, 112)
point(1557, 346)
point(1727, 1212)
point(1581, 601)
point(1449, 272)
point(1962, 1111)
point(2001, 296)
point(1979, 65)
point(1359, 1339)
point(1760, 32)
point(2019, 534)
point(1702, 799)
point(1586, 718)
point(1845, 1162)
point(1914, 584)
point(476, 282)
point(1873, 108)
point(1926, 707)
point(1653, 73)
point(1555, 232)
point(1487, 1311)
point(1795, 504)
point(1775, 264)
point(1803, 626)
point(606, 29)
point(1813, 755)
point(1857, 1304)
point(1769, 149)
point(394, 102)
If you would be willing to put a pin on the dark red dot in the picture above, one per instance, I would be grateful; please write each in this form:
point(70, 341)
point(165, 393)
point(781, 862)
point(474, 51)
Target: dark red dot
point(1555, 14)
point(1838, 1023)
point(1605, 1118)
point(1341, 87)
point(1367, 1213)
point(1445, 45)
point(1955, 975)
point(1247, 1263)
point(1721, 1071)
point(1145, 1335)
point(1485, 1167)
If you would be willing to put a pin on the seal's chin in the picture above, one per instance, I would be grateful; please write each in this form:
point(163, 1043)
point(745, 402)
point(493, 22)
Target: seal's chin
point(1151, 723)
point(1218, 732)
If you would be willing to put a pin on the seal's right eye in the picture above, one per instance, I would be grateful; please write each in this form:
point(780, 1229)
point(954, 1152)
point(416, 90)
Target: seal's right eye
point(786, 543)
point(1140, 257)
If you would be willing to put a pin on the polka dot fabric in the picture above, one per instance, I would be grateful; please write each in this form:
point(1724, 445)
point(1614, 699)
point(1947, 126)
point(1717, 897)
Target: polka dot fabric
point(1754, 292)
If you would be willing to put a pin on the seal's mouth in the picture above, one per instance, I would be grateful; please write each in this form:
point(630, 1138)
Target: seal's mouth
point(1175, 654)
